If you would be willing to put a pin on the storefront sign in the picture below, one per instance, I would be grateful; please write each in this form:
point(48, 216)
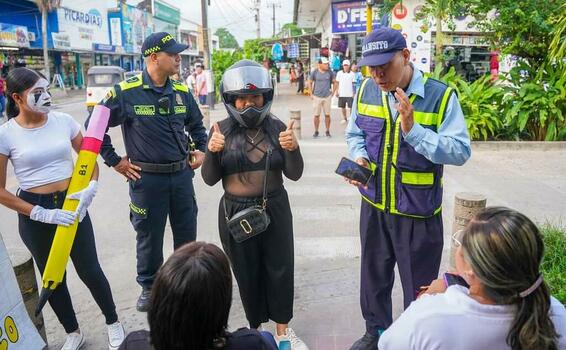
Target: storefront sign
point(12, 35)
point(61, 41)
point(166, 13)
point(104, 48)
point(17, 332)
point(350, 17)
point(92, 17)
point(85, 23)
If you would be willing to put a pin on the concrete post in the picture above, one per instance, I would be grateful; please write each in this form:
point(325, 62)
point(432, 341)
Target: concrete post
point(22, 264)
point(205, 116)
point(466, 206)
point(295, 114)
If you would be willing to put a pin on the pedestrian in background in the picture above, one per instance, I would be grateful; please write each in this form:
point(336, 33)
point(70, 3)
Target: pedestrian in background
point(322, 85)
point(345, 90)
point(200, 86)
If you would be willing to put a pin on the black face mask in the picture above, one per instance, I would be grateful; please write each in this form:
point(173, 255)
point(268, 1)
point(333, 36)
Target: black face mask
point(252, 117)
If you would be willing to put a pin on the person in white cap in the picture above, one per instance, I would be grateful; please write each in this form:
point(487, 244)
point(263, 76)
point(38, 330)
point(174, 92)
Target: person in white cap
point(322, 85)
point(345, 90)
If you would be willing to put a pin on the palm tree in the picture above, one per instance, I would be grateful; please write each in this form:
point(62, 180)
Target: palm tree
point(46, 6)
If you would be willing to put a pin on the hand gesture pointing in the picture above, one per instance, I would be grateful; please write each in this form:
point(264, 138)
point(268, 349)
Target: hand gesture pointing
point(287, 138)
point(217, 141)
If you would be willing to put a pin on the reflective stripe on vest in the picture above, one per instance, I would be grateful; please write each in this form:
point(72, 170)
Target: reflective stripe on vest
point(389, 180)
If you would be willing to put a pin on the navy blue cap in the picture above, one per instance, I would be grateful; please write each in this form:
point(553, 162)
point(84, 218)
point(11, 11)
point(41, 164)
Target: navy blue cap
point(381, 45)
point(158, 42)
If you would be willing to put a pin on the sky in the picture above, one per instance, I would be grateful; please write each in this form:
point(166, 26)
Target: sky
point(235, 15)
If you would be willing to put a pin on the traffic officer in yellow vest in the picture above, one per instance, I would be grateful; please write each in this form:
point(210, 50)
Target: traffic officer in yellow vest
point(157, 116)
point(404, 127)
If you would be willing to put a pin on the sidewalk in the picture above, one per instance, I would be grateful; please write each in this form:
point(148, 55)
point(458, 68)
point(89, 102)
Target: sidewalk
point(72, 96)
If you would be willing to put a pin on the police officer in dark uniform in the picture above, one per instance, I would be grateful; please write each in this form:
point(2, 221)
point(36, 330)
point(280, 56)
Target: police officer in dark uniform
point(155, 114)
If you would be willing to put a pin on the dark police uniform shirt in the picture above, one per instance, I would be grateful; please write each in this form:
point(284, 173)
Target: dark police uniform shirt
point(149, 131)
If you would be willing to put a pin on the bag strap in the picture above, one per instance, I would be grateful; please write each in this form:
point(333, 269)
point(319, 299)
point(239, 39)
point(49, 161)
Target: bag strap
point(267, 162)
point(264, 196)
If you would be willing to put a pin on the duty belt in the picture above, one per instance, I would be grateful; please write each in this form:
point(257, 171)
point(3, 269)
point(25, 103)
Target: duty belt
point(161, 168)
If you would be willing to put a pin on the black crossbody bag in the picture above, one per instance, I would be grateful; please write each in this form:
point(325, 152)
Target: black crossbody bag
point(251, 221)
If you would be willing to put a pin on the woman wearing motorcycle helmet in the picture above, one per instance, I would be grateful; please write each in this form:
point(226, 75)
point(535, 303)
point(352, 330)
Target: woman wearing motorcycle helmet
point(237, 151)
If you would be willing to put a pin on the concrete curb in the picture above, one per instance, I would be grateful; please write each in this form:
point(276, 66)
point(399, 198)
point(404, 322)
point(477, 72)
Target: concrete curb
point(519, 145)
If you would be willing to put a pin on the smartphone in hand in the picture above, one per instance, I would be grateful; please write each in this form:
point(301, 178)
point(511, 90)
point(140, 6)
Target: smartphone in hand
point(451, 279)
point(353, 171)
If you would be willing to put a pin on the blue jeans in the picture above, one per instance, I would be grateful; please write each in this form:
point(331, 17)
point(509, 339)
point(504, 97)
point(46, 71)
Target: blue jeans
point(202, 99)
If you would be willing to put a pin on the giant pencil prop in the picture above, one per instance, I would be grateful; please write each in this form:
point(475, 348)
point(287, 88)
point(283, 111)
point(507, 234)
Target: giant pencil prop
point(65, 236)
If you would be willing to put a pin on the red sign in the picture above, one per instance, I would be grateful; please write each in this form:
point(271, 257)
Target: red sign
point(400, 11)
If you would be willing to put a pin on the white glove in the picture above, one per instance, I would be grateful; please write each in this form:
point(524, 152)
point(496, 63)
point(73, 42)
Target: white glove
point(85, 198)
point(53, 216)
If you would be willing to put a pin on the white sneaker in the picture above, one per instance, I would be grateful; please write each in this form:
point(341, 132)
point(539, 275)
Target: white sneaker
point(74, 341)
point(115, 335)
point(290, 341)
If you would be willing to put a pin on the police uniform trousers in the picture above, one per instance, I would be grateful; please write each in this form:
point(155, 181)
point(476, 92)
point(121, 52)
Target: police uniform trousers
point(414, 244)
point(263, 265)
point(154, 197)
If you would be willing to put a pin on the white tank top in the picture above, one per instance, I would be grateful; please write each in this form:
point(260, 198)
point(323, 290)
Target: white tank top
point(42, 155)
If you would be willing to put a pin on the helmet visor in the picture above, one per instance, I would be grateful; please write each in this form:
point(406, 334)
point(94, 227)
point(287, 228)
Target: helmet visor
point(247, 79)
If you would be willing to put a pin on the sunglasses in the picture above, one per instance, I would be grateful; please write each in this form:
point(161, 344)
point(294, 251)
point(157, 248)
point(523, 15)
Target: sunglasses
point(456, 238)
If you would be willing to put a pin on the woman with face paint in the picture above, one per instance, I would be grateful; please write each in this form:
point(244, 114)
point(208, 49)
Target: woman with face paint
point(237, 150)
point(39, 144)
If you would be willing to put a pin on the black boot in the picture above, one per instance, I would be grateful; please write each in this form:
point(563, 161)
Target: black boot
point(143, 301)
point(367, 342)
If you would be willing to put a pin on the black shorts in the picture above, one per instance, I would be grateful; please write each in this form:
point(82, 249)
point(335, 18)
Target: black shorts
point(343, 101)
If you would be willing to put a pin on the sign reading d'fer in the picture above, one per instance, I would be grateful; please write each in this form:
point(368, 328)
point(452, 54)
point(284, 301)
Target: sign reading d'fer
point(17, 332)
point(350, 16)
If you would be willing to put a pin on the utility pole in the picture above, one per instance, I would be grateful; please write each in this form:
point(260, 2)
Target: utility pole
point(257, 18)
point(274, 5)
point(206, 49)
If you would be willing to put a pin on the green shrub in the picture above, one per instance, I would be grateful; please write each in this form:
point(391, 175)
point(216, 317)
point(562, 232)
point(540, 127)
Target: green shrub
point(554, 263)
point(535, 101)
point(480, 101)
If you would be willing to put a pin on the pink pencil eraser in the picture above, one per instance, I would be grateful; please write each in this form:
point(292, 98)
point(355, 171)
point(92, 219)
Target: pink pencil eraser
point(98, 122)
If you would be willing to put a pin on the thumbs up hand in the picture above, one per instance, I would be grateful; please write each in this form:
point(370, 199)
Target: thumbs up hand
point(287, 138)
point(217, 141)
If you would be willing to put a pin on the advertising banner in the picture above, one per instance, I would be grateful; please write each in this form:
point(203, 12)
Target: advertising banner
point(417, 33)
point(12, 35)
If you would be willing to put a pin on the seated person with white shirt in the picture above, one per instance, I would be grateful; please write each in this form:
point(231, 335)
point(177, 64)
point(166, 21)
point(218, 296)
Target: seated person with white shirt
point(507, 304)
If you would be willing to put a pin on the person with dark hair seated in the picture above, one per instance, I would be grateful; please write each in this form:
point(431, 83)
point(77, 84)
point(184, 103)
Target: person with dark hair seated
point(190, 304)
point(502, 301)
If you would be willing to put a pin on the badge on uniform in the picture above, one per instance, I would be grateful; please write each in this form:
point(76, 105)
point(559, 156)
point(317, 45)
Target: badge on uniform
point(179, 99)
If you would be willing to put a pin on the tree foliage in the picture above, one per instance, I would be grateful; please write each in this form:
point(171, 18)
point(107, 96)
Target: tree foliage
point(290, 29)
point(226, 39)
point(255, 51)
point(522, 28)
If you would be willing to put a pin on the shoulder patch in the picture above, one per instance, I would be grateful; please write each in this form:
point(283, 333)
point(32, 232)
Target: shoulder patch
point(178, 86)
point(109, 95)
point(130, 83)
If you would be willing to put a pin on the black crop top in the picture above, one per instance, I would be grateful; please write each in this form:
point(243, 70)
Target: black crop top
point(246, 179)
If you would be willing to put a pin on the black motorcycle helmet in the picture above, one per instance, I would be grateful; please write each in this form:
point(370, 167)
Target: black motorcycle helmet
point(247, 77)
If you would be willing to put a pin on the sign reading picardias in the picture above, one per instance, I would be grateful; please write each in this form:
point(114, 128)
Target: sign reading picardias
point(17, 332)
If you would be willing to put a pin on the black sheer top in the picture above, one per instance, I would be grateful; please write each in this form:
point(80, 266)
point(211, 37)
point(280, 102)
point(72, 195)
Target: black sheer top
point(245, 178)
